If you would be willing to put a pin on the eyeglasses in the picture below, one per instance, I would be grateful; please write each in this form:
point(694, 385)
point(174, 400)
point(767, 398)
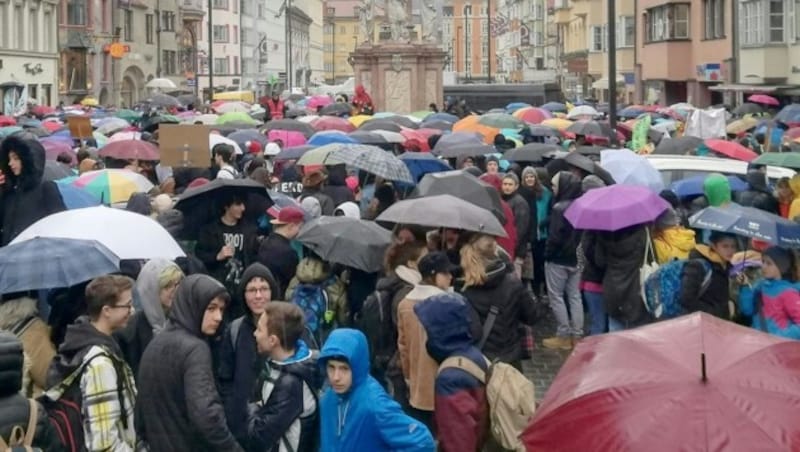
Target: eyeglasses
point(257, 290)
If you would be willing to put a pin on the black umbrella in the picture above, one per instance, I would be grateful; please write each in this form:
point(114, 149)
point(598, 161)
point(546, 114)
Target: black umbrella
point(463, 185)
point(365, 137)
point(748, 108)
point(465, 150)
point(204, 204)
point(296, 113)
point(685, 145)
point(573, 159)
point(164, 101)
point(380, 124)
point(188, 99)
point(294, 152)
point(543, 131)
point(593, 128)
point(444, 211)
point(347, 241)
point(291, 125)
point(399, 120)
point(224, 130)
point(589, 151)
point(55, 170)
point(151, 124)
point(336, 109)
point(531, 152)
point(437, 124)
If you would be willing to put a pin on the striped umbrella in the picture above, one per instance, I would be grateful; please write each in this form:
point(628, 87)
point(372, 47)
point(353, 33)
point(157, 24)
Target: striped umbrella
point(113, 185)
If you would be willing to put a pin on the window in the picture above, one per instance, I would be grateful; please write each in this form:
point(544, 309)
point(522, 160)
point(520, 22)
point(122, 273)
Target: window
point(714, 16)
point(47, 32)
point(128, 21)
point(670, 21)
point(328, 29)
point(235, 65)
point(626, 32)
point(235, 34)
point(47, 91)
point(220, 65)
point(776, 13)
point(797, 19)
point(484, 48)
point(76, 12)
point(751, 23)
point(342, 29)
point(170, 62)
point(148, 28)
point(167, 21)
point(597, 38)
point(33, 92)
point(4, 40)
point(247, 10)
point(220, 4)
point(74, 63)
point(220, 34)
point(261, 11)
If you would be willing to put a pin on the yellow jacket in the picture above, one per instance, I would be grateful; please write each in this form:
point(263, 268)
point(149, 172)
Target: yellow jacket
point(794, 208)
point(673, 243)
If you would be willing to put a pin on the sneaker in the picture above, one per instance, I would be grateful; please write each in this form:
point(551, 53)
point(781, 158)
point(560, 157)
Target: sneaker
point(558, 343)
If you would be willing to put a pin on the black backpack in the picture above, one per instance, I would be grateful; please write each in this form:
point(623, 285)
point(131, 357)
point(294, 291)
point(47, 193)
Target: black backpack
point(375, 321)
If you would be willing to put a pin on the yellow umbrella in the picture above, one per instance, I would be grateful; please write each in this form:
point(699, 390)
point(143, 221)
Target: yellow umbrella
point(741, 125)
point(359, 119)
point(90, 102)
point(557, 123)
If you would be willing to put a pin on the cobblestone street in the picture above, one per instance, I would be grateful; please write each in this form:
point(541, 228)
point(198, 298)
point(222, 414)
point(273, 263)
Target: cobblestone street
point(545, 364)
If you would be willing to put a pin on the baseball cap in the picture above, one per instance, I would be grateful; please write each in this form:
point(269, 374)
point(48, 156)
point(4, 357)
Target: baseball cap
point(433, 263)
point(289, 215)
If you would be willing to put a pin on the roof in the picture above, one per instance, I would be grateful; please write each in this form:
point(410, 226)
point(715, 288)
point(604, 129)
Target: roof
point(342, 8)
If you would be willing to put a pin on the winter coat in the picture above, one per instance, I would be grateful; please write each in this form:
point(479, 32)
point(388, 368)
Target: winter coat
point(522, 221)
point(780, 305)
point(620, 255)
point(336, 187)
point(509, 242)
point(276, 253)
point(543, 213)
point(461, 414)
point(288, 412)
point(15, 407)
point(515, 303)
point(758, 194)
point(673, 243)
point(21, 316)
point(531, 198)
point(240, 364)
point(365, 417)
point(107, 407)
point(794, 207)
point(313, 271)
point(562, 238)
point(591, 271)
point(326, 203)
point(419, 369)
point(714, 300)
point(26, 199)
point(179, 408)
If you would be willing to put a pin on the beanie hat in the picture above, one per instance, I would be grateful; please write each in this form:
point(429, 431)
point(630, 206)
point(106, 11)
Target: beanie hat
point(528, 170)
point(511, 176)
point(591, 182)
point(493, 158)
point(781, 257)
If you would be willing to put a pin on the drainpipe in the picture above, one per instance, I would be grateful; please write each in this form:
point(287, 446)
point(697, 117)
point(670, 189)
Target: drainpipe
point(612, 69)
point(158, 38)
point(734, 66)
point(210, 51)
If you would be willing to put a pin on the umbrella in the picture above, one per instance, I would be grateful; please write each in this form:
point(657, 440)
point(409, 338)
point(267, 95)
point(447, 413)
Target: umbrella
point(208, 119)
point(113, 185)
point(347, 241)
point(694, 383)
point(90, 102)
point(294, 153)
point(319, 100)
point(543, 131)
point(615, 207)
point(457, 138)
point(296, 113)
point(763, 99)
point(160, 83)
point(371, 159)
point(53, 148)
point(465, 150)
point(442, 116)
point(29, 123)
point(421, 114)
point(233, 107)
point(445, 211)
point(128, 235)
point(290, 124)
point(67, 262)
point(128, 115)
point(111, 125)
point(693, 186)
point(380, 124)
point(121, 136)
point(557, 123)
point(678, 146)
point(784, 159)
point(333, 123)
point(52, 126)
point(74, 197)
point(594, 128)
point(56, 170)
point(532, 152)
point(188, 99)
point(532, 115)
point(131, 149)
point(151, 124)
point(422, 163)
point(164, 101)
point(43, 110)
point(236, 117)
point(215, 139)
point(462, 185)
point(391, 137)
point(501, 121)
point(633, 111)
point(748, 109)
point(336, 109)
point(241, 137)
point(576, 160)
point(402, 121)
point(288, 137)
point(731, 149)
point(629, 168)
point(515, 106)
point(202, 205)
point(789, 113)
point(583, 110)
point(6, 121)
point(6, 131)
point(437, 124)
point(749, 222)
point(330, 136)
point(367, 137)
point(741, 125)
point(282, 200)
point(555, 107)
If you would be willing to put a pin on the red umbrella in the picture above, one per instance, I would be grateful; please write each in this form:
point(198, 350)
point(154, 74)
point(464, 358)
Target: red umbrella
point(333, 123)
point(792, 134)
point(418, 139)
point(731, 149)
point(130, 149)
point(52, 126)
point(695, 383)
point(532, 115)
point(763, 99)
point(7, 121)
point(43, 110)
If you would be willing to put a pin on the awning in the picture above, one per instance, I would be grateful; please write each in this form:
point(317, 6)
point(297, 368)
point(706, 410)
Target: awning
point(603, 83)
point(749, 88)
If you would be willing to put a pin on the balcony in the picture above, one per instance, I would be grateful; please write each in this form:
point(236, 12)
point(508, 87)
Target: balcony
point(192, 10)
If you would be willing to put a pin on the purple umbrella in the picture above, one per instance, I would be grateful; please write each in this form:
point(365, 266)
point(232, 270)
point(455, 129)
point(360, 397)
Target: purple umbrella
point(615, 207)
point(53, 148)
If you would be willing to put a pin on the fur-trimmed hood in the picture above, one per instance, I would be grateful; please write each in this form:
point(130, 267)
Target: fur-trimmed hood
point(32, 155)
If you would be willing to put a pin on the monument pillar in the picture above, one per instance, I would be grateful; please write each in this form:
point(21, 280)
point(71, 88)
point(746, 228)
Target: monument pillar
point(400, 77)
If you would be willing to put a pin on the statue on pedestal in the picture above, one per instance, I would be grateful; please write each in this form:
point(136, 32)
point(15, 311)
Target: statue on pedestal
point(366, 22)
point(430, 27)
point(397, 11)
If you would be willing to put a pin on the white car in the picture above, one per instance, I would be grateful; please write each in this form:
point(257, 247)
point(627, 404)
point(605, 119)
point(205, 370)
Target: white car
point(678, 167)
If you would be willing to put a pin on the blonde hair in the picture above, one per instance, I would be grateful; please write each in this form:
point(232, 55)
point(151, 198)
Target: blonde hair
point(475, 256)
point(172, 274)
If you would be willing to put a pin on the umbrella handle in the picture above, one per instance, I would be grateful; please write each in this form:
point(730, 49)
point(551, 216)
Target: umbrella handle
point(704, 377)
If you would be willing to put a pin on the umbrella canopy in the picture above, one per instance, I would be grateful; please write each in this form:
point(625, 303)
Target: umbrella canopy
point(113, 185)
point(319, 100)
point(232, 107)
point(56, 170)
point(741, 125)
point(557, 123)
point(292, 125)
point(789, 113)
point(443, 211)
point(53, 148)
point(693, 186)
point(131, 149)
point(90, 102)
point(462, 185)
point(238, 117)
point(43, 110)
point(437, 124)
point(208, 119)
point(693, 383)
point(66, 263)
point(288, 137)
point(330, 136)
point(6, 121)
point(631, 112)
point(112, 125)
point(74, 197)
point(128, 235)
point(464, 150)
point(471, 124)
point(241, 137)
point(294, 153)
point(442, 116)
point(629, 168)
point(422, 163)
point(380, 124)
point(364, 137)
point(336, 109)
point(555, 107)
point(749, 222)
point(160, 83)
point(391, 137)
point(582, 111)
point(594, 128)
point(532, 152)
point(731, 149)
point(164, 101)
point(543, 131)
point(678, 146)
point(784, 159)
point(763, 99)
point(371, 159)
point(333, 123)
point(214, 139)
point(615, 207)
point(128, 115)
point(532, 115)
point(347, 241)
point(152, 123)
point(501, 121)
point(748, 109)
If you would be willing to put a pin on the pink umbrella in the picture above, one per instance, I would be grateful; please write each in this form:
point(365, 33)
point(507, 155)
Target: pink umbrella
point(763, 99)
point(130, 149)
point(333, 123)
point(290, 138)
point(121, 136)
point(53, 148)
point(186, 114)
point(320, 100)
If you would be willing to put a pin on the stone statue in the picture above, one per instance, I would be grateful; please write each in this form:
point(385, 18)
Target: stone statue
point(430, 27)
point(366, 23)
point(397, 11)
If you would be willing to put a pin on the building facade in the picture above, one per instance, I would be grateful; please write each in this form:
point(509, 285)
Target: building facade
point(224, 36)
point(684, 50)
point(569, 21)
point(473, 45)
point(28, 52)
point(314, 9)
point(341, 36)
point(524, 44)
point(263, 40)
point(625, 38)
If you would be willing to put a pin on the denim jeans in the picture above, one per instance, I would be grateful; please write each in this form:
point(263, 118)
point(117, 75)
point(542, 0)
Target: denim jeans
point(561, 281)
point(616, 325)
point(597, 312)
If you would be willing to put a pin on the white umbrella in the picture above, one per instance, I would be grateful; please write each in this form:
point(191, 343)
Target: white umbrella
point(128, 235)
point(208, 119)
point(231, 107)
point(308, 119)
point(161, 83)
point(582, 110)
point(215, 139)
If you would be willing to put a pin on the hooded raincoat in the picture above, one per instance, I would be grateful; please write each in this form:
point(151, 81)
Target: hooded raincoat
point(758, 194)
point(365, 418)
point(794, 208)
point(562, 238)
point(673, 243)
point(714, 300)
point(779, 306)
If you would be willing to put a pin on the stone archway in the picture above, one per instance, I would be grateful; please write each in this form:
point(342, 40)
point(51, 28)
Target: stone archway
point(133, 82)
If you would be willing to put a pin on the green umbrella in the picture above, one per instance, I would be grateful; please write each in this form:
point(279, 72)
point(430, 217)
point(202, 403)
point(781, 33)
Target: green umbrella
point(421, 114)
point(501, 121)
point(784, 159)
point(128, 115)
point(236, 116)
point(6, 131)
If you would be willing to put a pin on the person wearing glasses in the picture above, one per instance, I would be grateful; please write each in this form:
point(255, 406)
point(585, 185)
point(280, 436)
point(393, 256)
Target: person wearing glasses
point(90, 355)
point(240, 363)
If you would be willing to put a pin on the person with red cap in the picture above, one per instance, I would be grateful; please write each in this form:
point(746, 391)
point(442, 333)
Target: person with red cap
point(276, 251)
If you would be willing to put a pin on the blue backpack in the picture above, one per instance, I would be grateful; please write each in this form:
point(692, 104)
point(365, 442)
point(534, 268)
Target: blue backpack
point(313, 299)
point(662, 288)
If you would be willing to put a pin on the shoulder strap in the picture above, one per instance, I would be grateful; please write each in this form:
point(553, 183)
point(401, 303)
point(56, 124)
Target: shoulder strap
point(488, 325)
point(22, 325)
point(465, 364)
point(30, 431)
point(236, 325)
point(649, 252)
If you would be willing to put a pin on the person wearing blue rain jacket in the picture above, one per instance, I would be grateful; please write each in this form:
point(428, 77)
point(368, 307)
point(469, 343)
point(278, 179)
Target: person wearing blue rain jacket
point(773, 302)
point(356, 414)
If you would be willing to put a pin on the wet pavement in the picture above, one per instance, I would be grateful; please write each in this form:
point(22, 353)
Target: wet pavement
point(545, 364)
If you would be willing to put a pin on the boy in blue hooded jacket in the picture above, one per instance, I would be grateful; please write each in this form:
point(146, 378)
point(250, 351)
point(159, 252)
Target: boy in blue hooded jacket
point(356, 413)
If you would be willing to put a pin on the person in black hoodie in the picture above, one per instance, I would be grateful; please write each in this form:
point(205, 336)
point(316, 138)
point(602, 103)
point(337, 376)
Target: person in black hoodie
point(179, 408)
point(717, 255)
point(15, 409)
point(561, 264)
point(336, 187)
point(239, 363)
point(276, 252)
point(758, 195)
point(287, 417)
point(24, 197)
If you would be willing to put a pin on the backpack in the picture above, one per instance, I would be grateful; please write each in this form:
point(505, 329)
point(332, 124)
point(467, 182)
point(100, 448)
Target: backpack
point(662, 288)
point(511, 397)
point(375, 321)
point(22, 440)
point(313, 299)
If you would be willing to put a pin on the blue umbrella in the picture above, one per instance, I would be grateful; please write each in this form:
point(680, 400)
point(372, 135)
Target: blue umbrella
point(329, 137)
point(630, 112)
point(749, 222)
point(629, 168)
point(67, 262)
point(75, 198)
point(422, 163)
point(789, 113)
point(514, 106)
point(442, 116)
point(294, 152)
point(555, 107)
point(693, 186)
